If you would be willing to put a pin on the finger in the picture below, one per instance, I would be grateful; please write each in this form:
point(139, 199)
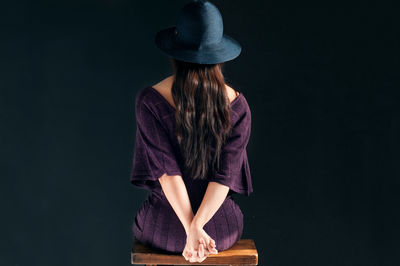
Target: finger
point(192, 255)
point(210, 249)
point(188, 254)
point(201, 260)
point(205, 244)
point(193, 258)
point(201, 244)
point(214, 251)
point(197, 255)
point(206, 251)
point(208, 242)
point(185, 254)
point(201, 250)
point(213, 243)
point(200, 257)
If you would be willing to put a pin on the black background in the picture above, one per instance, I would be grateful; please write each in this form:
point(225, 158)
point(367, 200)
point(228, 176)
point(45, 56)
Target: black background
point(322, 84)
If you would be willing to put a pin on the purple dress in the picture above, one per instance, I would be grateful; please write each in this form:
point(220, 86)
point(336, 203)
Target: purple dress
point(156, 152)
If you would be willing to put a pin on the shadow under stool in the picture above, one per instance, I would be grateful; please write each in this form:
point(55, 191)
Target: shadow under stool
point(244, 252)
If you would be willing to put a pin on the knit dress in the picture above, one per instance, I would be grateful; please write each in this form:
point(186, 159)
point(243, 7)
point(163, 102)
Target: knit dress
point(156, 152)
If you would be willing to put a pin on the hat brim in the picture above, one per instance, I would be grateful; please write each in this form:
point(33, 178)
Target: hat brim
point(225, 50)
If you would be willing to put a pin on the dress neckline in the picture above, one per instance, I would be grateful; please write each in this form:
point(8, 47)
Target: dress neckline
point(170, 106)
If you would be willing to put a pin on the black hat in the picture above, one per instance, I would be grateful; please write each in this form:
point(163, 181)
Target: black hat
point(198, 36)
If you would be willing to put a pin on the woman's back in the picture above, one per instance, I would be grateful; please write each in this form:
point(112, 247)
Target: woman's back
point(164, 88)
point(156, 223)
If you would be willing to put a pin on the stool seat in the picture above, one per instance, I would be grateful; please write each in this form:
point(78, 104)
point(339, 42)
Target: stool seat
point(244, 252)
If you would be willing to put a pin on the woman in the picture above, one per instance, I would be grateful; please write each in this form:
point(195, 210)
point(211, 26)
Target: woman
point(191, 138)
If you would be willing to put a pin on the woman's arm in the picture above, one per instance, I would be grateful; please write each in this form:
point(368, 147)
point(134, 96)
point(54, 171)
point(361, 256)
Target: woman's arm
point(212, 200)
point(175, 191)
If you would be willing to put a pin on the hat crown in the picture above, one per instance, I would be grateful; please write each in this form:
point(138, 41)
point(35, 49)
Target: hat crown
point(199, 24)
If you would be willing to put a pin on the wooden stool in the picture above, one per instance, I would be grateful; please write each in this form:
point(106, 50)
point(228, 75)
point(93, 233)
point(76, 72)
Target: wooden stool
point(244, 252)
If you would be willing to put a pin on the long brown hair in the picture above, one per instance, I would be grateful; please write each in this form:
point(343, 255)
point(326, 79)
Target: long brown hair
point(202, 115)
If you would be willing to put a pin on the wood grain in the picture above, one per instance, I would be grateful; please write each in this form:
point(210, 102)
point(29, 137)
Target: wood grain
point(244, 252)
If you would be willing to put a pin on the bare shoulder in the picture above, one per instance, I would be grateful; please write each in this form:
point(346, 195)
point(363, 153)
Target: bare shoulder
point(163, 85)
point(232, 93)
point(164, 88)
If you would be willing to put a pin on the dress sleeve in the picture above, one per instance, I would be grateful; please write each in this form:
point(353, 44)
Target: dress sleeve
point(153, 153)
point(234, 170)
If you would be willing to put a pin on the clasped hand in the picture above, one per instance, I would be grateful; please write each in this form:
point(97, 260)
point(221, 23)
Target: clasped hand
point(198, 245)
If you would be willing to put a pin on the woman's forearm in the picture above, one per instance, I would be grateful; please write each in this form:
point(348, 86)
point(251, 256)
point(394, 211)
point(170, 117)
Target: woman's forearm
point(175, 191)
point(212, 200)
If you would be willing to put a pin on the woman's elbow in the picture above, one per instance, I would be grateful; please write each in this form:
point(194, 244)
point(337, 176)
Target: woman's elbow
point(166, 177)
